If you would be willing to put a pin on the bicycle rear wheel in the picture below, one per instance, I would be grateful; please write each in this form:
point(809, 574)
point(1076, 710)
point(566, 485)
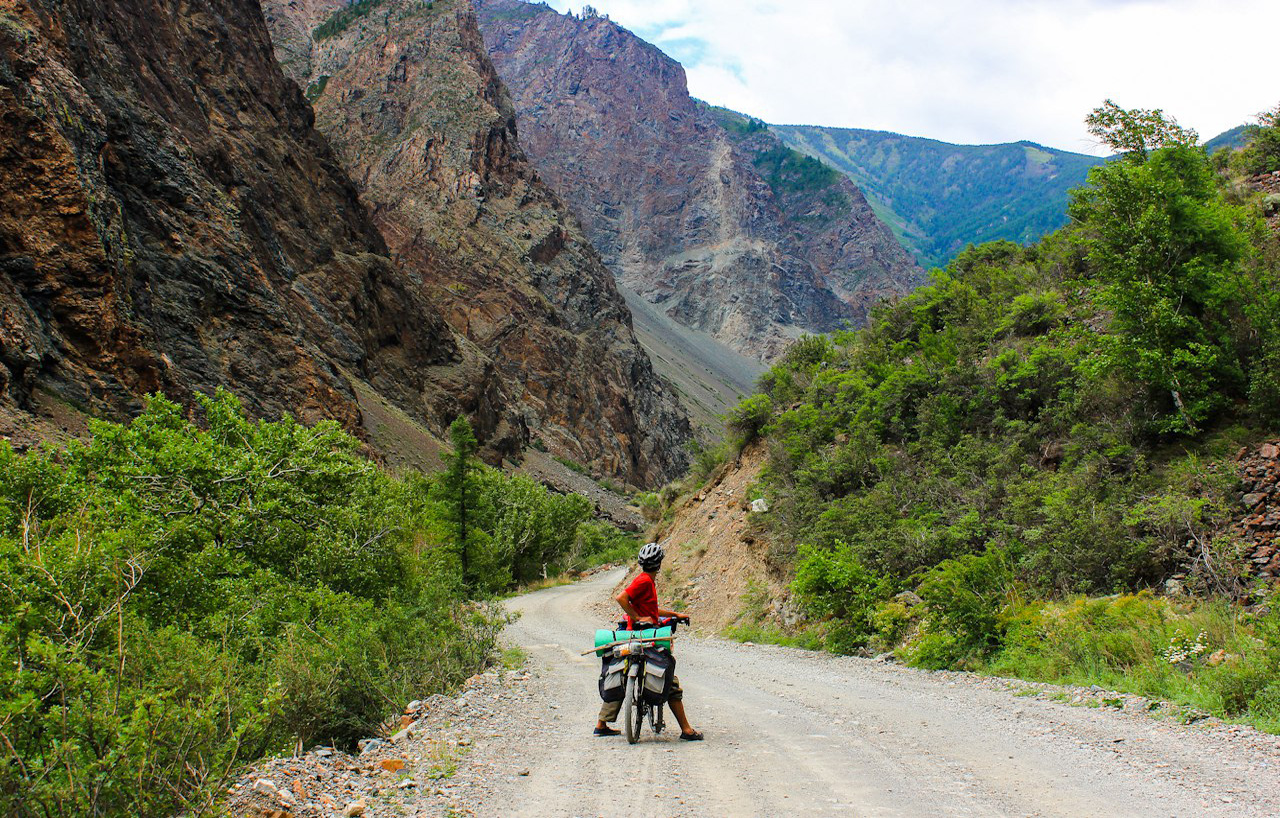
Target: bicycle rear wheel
point(633, 710)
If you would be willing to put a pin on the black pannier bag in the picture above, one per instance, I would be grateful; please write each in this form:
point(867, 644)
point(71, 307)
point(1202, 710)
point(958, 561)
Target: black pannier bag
point(659, 672)
point(613, 679)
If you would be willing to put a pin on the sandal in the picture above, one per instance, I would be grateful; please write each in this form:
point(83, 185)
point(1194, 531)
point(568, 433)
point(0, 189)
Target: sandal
point(607, 731)
point(694, 736)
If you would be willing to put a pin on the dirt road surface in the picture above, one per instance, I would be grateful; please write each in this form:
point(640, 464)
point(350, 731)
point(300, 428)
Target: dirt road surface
point(793, 733)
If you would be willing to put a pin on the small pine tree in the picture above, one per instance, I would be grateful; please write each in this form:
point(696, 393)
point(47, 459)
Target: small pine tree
point(461, 464)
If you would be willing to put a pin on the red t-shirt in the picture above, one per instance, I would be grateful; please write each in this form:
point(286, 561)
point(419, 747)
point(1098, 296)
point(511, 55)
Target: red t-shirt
point(644, 597)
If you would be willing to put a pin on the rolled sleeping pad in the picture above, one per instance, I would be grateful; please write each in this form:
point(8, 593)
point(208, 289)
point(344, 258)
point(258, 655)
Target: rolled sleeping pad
point(605, 636)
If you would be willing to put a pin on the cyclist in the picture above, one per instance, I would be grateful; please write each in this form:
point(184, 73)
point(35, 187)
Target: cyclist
point(640, 602)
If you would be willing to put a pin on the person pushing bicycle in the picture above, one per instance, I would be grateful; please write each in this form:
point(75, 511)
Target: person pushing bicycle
point(639, 601)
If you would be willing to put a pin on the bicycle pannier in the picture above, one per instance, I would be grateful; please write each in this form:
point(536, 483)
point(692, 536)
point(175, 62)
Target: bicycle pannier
point(613, 680)
point(659, 671)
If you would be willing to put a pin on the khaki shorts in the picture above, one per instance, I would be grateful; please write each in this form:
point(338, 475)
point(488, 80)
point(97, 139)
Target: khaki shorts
point(609, 710)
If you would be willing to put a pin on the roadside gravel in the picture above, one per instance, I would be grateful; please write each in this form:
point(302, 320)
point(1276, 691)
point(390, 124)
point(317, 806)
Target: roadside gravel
point(791, 732)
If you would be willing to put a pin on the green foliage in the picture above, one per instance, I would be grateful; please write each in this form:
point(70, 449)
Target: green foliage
point(1136, 132)
point(343, 18)
point(748, 419)
point(940, 198)
point(964, 599)
point(315, 89)
point(789, 171)
point(1167, 253)
point(1262, 153)
point(834, 584)
point(1207, 655)
point(1037, 421)
point(181, 600)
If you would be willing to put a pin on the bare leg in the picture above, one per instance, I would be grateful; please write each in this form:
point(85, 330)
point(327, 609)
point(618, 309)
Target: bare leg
point(677, 708)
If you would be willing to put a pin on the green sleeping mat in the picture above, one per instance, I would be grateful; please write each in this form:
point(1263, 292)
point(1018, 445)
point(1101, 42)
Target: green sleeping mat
point(606, 637)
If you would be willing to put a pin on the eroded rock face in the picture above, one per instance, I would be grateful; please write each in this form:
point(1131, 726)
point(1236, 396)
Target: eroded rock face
point(691, 214)
point(421, 121)
point(171, 220)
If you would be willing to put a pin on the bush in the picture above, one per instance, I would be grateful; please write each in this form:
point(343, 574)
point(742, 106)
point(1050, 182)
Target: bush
point(833, 584)
point(749, 418)
point(964, 599)
point(183, 600)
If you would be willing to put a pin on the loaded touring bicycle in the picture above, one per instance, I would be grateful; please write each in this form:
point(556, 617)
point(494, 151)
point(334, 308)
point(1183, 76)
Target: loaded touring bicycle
point(637, 668)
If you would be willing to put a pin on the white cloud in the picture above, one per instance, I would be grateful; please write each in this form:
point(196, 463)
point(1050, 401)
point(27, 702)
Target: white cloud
point(967, 70)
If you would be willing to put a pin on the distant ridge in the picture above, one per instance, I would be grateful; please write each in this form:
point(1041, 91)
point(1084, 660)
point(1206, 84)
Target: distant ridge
point(939, 197)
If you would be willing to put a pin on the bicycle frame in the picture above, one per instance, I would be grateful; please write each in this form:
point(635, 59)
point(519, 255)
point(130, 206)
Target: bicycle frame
point(635, 710)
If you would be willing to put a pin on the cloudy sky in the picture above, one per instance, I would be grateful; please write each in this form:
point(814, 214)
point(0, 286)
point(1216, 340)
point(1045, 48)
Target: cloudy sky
point(965, 70)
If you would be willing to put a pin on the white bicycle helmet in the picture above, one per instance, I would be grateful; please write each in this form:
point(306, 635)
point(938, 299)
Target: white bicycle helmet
point(651, 555)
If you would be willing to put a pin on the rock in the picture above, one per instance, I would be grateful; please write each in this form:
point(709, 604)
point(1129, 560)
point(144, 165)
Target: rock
point(366, 745)
point(323, 752)
point(1269, 451)
point(544, 337)
point(1174, 587)
point(392, 765)
point(760, 506)
point(908, 598)
point(354, 810)
point(1251, 500)
point(670, 194)
point(266, 786)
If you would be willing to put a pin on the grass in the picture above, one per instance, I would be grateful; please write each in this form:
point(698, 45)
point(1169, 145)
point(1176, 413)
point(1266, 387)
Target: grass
point(513, 658)
point(1206, 657)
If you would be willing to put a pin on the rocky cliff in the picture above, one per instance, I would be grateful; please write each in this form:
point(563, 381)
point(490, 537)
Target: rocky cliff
point(420, 120)
point(171, 220)
point(719, 226)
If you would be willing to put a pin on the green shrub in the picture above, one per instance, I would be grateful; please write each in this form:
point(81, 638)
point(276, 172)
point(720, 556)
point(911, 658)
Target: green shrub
point(834, 585)
point(182, 600)
point(342, 19)
point(964, 599)
point(749, 418)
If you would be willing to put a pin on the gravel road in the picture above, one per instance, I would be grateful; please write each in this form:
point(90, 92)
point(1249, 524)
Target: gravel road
point(795, 733)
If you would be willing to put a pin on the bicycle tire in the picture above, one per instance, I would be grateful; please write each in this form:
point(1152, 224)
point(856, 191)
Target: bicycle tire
point(632, 712)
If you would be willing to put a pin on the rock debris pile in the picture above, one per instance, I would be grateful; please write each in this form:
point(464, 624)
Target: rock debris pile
point(409, 772)
point(1259, 525)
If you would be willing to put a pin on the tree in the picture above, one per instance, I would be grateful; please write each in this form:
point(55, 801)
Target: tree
point(457, 487)
point(1167, 251)
point(1135, 132)
point(1262, 154)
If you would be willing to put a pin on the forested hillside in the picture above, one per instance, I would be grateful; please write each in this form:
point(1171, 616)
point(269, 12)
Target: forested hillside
point(1048, 421)
point(939, 197)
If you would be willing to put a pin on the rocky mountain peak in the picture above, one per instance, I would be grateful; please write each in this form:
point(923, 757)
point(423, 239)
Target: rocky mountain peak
point(689, 210)
point(419, 118)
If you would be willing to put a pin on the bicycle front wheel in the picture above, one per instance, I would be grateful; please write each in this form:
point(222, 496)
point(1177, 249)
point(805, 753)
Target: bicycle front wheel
point(632, 711)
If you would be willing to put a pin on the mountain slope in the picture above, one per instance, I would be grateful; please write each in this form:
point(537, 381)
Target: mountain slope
point(423, 124)
point(171, 220)
point(941, 197)
point(676, 204)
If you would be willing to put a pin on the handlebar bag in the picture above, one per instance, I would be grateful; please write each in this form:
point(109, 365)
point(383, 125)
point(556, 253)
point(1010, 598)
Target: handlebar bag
point(659, 673)
point(613, 680)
